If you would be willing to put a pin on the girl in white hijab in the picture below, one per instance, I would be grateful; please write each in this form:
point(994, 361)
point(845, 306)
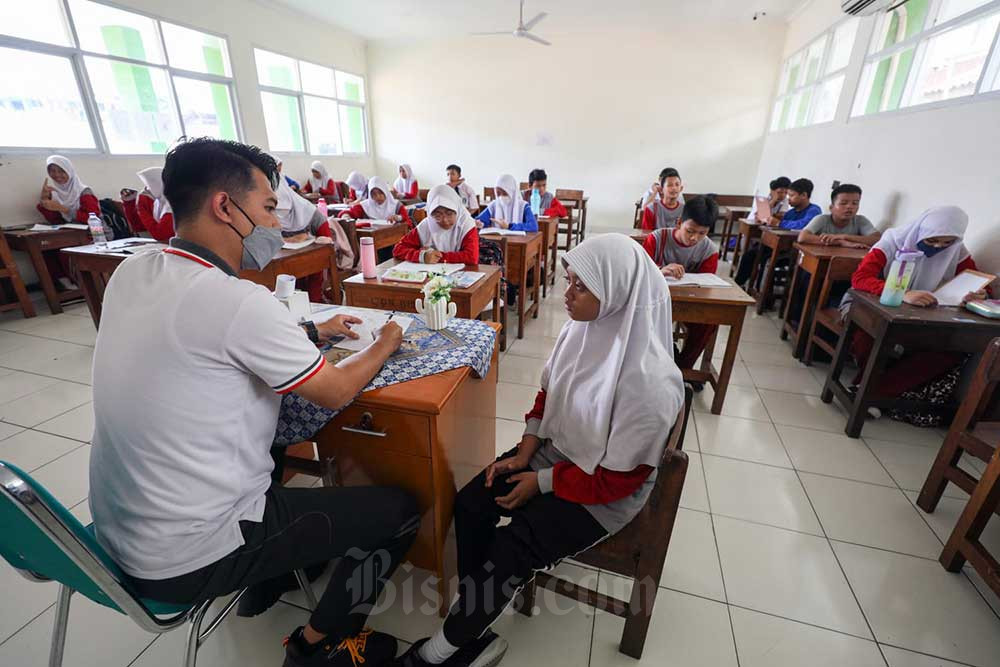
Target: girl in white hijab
point(149, 210)
point(64, 197)
point(405, 187)
point(587, 461)
point(380, 205)
point(359, 186)
point(320, 184)
point(447, 234)
point(508, 210)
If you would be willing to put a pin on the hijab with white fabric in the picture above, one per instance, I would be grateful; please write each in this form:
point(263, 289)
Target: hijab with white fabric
point(358, 183)
point(294, 211)
point(152, 178)
point(930, 272)
point(323, 179)
point(373, 209)
point(509, 208)
point(433, 235)
point(69, 194)
point(613, 389)
point(401, 184)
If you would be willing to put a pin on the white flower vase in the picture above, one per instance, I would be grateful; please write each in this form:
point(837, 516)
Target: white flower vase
point(436, 313)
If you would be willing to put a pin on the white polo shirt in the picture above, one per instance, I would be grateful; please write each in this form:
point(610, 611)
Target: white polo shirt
point(189, 367)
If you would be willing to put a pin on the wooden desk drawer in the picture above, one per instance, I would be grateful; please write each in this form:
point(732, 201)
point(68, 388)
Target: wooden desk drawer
point(383, 429)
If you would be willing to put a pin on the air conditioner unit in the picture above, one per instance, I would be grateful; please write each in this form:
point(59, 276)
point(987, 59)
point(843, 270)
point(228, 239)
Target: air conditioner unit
point(869, 7)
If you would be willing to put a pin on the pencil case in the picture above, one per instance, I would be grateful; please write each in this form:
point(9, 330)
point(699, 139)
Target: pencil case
point(985, 307)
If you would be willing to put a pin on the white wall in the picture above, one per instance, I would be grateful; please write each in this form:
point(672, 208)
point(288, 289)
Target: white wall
point(599, 111)
point(904, 161)
point(246, 24)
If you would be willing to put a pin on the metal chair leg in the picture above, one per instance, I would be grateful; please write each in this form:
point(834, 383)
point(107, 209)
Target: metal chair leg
point(300, 576)
point(194, 634)
point(59, 629)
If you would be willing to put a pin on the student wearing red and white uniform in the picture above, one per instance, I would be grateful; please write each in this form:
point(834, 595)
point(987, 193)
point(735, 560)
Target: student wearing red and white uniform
point(551, 207)
point(380, 205)
point(447, 234)
point(937, 235)
point(358, 184)
point(666, 210)
point(149, 210)
point(687, 249)
point(319, 184)
point(64, 198)
point(585, 465)
point(405, 187)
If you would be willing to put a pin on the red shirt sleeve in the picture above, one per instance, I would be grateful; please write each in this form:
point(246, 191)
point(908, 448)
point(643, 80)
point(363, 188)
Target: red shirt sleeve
point(408, 248)
point(355, 212)
point(557, 210)
point(53, 217)
point(88, 205)
point(163, 229)
point(648, 219)
point(306, 187)
point(132, 215)
point(403, 213)
point(538, 409)
point(469, 254)
point(570, 483)
point(324, 230)
point(329, 190)
point(413, 191)
point(868, 276)
point(354, 195)
point(650, 246)
point(710, 265)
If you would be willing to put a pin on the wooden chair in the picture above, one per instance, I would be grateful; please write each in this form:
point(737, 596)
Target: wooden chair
point(418, 215)
point(571, 226)
point(638, 551)
point(637, 218)
point(10, 274)
point(828, 318)
point(973, 431)
point(524, 186)
point(344, 190)
point(422, 193)
point(489, 194)
point(972, 434)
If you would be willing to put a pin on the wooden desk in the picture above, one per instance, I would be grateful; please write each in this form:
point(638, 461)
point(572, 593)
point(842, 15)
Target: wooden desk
point(549, 228)
point(95, 267)
point(748, 232)
point(429, 436)
point(779, 241)
point(393, 295)
point(35, 243)
point(384, 236)
point(524, 254)
point(734, 213)
point(712, 305)
point(813, 261)
point(950, 329)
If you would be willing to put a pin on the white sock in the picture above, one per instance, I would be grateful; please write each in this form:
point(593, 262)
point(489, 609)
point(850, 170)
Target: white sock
point(437, 649)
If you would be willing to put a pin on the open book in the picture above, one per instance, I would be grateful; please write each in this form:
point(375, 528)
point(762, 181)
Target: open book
point(446, 269)
point(699, 280)
point(953, 291)
point(501, 232)
point(371, 321)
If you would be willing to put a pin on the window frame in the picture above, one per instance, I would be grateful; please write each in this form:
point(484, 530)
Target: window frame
point(822, 77)
point(300, 96)
point(918, 42)
point(76, 56)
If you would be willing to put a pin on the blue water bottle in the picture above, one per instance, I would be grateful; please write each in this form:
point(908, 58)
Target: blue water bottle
point(536, 201)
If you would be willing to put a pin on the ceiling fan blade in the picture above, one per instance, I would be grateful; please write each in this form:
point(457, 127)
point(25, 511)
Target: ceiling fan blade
point(533, 22)
point(536, 38)
point(505, 32)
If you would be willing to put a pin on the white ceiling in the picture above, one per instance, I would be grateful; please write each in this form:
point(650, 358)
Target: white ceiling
point(443, 19)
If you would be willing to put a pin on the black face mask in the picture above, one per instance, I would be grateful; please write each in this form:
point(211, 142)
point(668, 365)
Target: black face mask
point(260, 245)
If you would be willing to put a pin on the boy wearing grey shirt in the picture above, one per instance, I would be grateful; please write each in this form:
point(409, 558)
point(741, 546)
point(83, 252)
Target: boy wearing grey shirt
point(842, 226)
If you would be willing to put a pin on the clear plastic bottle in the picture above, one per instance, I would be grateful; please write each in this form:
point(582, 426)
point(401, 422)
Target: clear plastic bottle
point(536, 201)
point(897, 280)
point(96, 226)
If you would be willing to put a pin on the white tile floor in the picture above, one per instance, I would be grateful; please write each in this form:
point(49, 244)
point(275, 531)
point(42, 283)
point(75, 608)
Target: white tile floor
point(795, 545)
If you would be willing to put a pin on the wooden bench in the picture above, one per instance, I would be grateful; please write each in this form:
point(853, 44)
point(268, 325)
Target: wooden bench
point(828, 319)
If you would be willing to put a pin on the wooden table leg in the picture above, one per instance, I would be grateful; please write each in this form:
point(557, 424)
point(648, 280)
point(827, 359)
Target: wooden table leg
point(522, 294)
point(727, 231)
point(809, 309)
point(48, 287)
point(92, 294)
point(970, 525)
point(788, 305)
point(538, 278)
point(728, 360)
point(765, 289)
point(27, 307)
point(496, 317)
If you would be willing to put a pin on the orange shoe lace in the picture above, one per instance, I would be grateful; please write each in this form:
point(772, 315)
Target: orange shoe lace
point(355, 646)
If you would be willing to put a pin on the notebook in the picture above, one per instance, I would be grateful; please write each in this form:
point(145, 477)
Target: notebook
point(446, 269)
point(699, 280)
point(953, 291)
point(501, 232)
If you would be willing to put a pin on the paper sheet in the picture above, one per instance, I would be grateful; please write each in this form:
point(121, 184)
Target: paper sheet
point(699, 280)
point(43, 228)
point(298, 245)
point(372, 320)
point(446, 269)
point(953, 291)
point(462, 279)
point(73, 225)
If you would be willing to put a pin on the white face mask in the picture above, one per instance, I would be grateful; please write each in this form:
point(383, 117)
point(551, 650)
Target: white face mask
point(504, 200)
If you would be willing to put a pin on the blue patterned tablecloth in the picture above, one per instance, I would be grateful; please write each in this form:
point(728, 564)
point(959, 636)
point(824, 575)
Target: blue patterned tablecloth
point(424, 352)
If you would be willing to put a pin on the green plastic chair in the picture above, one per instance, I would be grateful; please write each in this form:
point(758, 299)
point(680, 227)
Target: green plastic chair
point(44, 542)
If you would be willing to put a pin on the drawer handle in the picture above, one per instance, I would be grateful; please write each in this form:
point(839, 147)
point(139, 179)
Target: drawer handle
point(365, 427)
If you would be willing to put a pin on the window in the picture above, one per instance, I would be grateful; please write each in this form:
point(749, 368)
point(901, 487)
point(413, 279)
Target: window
point(311, 106)
point(929, 51)
point(812, 79)
point(147, 81)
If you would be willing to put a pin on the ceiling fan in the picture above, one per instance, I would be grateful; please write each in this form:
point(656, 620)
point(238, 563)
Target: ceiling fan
point(523, 29)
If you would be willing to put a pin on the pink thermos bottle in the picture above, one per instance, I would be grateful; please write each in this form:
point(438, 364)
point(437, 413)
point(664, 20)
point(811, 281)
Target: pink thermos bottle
point(368, 257)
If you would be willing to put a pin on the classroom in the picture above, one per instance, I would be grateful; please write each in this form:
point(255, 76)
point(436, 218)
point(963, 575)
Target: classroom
point(646, 333)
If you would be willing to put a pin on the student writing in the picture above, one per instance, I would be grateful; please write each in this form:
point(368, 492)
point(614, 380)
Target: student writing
point(320, 184)
point(448, 234)
point(359, 187)
point(380, 205)
point(507, 210)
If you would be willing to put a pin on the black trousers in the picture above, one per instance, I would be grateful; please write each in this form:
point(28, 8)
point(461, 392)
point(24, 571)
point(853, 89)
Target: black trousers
point(755, 255)
point(495, 562)
point(369, 528)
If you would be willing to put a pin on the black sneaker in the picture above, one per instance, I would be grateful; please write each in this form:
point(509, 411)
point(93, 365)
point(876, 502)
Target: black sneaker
point(368, 648)
point(487, 651)
point(412, 656)
point(262, 596)
point(697, 386)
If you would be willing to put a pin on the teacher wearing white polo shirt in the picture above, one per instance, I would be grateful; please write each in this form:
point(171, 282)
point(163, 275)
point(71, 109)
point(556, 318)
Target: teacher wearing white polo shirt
point(189, 369)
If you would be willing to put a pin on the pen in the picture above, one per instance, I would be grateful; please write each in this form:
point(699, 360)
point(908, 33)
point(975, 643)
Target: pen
point(391, 315)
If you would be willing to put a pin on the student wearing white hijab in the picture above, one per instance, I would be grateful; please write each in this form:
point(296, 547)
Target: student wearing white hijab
point(319, 184)
point(359, 186)
point(380, 205)
point(405, 187)
point(64, 197)
point(149, 210)
point(447, 234)
point(508, 210)
point(935, 242)
point(587, 461)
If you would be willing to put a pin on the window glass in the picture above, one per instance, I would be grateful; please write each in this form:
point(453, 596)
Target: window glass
point(841, 45)
point(196, 51)
point(953, 8)
point(827, 97)
point(317, 80)
point(352, 124)
point(953, 61)
point(900, 24)
point(350, 87)
point(206, 108)
point(814, 57)
point(45, 21)
point(323, 123)
point(283, 123)
point(115, 32)
point(276, 70)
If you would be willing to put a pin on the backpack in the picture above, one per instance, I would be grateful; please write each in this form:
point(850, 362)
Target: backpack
point(115, 224)
point(491, 252)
